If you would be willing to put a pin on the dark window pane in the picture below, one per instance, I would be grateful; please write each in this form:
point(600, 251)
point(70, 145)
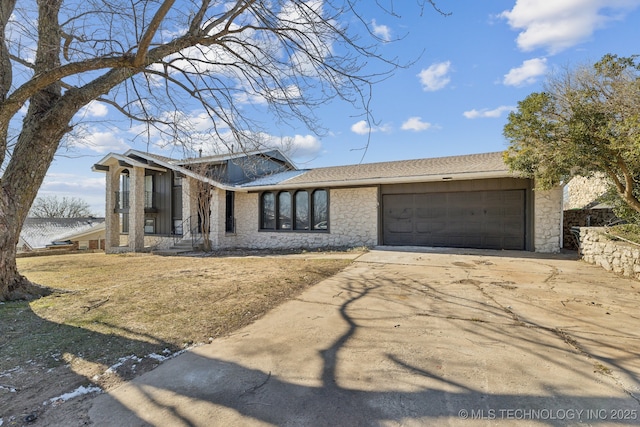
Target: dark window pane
point(268, 210)
point(284, 211)
point(230, 225)
point(302, 210)
point(320, 210)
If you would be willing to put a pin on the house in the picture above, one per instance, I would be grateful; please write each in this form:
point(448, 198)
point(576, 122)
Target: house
point(92, 238)
point(38, 233)
point(261, 200)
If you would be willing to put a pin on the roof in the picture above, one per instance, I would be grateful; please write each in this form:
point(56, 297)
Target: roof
point(472, 166)
point(465, 167)
point(162, 163)
point(40, 232)
point(97, 228)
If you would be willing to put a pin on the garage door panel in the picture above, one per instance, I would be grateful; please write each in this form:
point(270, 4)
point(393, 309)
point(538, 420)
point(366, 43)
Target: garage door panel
point(480, 219)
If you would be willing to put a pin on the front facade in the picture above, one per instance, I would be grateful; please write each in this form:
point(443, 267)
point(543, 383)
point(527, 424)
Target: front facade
point(261, 201)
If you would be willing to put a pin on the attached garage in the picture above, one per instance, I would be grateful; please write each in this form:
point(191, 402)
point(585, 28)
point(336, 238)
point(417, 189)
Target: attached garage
point(483, 214)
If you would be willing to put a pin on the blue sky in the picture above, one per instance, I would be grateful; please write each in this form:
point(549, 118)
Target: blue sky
point(469, 70)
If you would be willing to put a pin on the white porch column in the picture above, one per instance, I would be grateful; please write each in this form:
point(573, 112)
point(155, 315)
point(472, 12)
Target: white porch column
point(111, 218)
point(136, 209)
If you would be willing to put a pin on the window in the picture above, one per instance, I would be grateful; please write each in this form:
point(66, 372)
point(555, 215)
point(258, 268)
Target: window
point(148, 191)
point(284, 211)
point(149, 225)
point(229, 223)
point(320, 212)
point(124, 222)
point(302, 210)
point(268, 210)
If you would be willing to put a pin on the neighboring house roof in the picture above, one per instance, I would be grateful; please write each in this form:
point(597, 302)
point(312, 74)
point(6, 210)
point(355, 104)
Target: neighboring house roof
point(96, 230)
point(473, 166)
point(40, 232)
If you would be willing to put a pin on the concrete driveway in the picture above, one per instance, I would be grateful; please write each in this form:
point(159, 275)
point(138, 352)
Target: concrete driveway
point(414, 339)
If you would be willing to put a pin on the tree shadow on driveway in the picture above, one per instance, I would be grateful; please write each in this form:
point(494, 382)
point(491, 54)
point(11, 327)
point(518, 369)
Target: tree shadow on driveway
point(368, 350)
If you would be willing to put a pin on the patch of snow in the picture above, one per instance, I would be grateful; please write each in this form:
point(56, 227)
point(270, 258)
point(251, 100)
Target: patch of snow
point(1, 421)
point(82, 390)
point(158, 357)
point(11, 389)
point(113, 368)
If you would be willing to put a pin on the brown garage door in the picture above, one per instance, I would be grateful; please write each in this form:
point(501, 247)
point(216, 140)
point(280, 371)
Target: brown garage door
point(477, 219)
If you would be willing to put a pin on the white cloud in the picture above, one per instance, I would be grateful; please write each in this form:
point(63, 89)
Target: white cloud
point(416, 124)
point(94, 109)
point(527, 73)
point(104, 142)
point(558, 25)
point(435, 77)
point(486, 113)
point(298, 146)
point(381, 31)
point(89, 188)
point(362, 128)
point(55, 182)
point(94, 140)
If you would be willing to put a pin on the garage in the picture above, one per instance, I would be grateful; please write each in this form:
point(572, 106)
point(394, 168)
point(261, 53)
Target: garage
point(483, 219)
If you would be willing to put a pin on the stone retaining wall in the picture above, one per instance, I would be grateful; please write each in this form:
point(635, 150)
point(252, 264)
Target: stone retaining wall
point(612, 255)
point(583, 218)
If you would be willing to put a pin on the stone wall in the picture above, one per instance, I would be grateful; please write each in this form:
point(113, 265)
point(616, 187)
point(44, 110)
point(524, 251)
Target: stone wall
point(548, 220)
point(353, 222)
point(583, 191)
point(583, 218)
point(612, 255)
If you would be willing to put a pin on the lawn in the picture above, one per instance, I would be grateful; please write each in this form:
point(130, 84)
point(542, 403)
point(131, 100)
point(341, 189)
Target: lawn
point(130, 311)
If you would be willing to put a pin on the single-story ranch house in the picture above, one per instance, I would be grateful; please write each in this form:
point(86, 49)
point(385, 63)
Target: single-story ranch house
point(260, 200)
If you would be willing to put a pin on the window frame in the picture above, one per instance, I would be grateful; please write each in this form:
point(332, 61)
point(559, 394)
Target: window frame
point(275, 225)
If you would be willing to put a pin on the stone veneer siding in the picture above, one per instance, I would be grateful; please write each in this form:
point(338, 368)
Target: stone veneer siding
point(353, 222)
point(583, 191)
point(548, 220)
point(612, 255)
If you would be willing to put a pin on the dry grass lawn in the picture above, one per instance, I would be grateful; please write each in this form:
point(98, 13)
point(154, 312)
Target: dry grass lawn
point(114, 306)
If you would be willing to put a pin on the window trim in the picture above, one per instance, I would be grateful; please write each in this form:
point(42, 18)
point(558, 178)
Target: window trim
point(292, 194)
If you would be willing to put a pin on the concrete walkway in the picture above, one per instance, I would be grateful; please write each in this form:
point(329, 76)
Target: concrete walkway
point(414, 339)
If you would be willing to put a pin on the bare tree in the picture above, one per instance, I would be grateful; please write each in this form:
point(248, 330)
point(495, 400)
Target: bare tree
point(53, 207)
point(148, 60)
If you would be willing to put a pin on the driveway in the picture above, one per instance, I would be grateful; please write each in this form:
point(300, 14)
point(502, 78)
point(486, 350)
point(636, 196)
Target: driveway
point(414, 338)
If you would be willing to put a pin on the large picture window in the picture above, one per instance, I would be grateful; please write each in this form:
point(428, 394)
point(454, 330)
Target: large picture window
point(300, 210)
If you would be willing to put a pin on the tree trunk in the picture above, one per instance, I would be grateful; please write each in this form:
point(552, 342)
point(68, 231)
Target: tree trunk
point(13, 286)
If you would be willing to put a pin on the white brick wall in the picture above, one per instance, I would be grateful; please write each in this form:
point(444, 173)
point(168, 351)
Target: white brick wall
point(353, 220)
point(548, 220)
